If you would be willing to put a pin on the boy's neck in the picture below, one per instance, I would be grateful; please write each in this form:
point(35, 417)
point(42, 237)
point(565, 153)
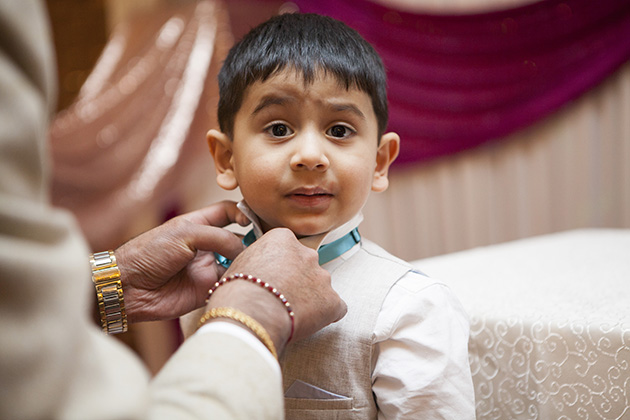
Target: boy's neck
point(313, 242)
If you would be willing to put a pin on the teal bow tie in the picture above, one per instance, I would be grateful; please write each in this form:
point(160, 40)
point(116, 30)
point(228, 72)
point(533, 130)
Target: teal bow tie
point(326, 252)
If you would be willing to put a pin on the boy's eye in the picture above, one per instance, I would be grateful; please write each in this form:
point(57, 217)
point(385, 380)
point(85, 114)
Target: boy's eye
point(279, 130)
point(339, 131)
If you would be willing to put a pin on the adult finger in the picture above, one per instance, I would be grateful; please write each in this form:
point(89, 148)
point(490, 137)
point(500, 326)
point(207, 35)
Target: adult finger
point(210, 238)
point(218, 214)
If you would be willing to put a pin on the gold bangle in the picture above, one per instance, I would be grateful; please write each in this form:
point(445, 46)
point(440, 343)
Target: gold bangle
point(111, 304)
point(246, 320)
point(262, 284)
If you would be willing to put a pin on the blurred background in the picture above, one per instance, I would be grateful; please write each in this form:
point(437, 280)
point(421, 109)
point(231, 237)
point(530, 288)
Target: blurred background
point(513, 117)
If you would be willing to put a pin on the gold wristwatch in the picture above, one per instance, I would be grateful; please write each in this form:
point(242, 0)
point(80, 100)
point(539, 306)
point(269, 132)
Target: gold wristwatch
point(111, 305)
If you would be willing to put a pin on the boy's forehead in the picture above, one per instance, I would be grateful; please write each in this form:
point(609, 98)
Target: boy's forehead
point(291, 78)
point(292, 84)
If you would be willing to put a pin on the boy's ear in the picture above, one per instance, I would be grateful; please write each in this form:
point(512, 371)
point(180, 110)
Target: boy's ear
point(386, 153)
point(221, 151)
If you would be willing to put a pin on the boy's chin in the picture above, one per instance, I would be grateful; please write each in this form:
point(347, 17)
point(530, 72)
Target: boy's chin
point(303, 232)
point(300, 236)
point(307, 233)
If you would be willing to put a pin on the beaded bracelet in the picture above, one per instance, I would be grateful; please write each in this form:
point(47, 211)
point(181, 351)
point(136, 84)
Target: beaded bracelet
point(246, 320)
point(265, 285)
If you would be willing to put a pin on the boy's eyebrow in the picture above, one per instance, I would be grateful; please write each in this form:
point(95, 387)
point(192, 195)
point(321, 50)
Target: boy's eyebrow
point(269, 100)
point(348, 107)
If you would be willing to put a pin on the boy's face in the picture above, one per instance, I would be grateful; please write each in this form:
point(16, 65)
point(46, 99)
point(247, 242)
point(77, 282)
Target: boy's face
point(305, 156)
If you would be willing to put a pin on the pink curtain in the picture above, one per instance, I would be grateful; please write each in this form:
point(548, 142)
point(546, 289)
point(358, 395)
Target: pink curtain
point(459, 80)
point(131, 149)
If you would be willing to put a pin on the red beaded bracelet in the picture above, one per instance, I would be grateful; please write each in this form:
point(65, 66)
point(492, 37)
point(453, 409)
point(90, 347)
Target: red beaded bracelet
point(256, 280)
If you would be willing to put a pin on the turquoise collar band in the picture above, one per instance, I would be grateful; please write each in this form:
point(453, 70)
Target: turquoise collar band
point(336, 248)
point(326, 252)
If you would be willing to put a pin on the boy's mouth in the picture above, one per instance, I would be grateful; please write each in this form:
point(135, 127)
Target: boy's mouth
point(310, 191)
point(310, 197)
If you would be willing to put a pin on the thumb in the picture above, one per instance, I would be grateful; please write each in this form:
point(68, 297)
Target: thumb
point(215, 239)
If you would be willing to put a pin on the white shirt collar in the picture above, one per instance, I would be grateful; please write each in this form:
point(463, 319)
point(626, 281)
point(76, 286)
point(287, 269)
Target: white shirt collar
point(313, 242)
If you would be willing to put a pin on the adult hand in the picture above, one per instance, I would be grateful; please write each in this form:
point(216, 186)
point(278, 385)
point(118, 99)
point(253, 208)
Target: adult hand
point(167, 271)
point(279, 259)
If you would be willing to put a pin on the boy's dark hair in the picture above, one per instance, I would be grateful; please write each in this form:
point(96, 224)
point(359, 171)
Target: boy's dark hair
point(307, 43)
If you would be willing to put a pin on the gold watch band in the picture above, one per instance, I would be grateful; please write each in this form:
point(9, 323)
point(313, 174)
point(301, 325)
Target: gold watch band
point(111, 304)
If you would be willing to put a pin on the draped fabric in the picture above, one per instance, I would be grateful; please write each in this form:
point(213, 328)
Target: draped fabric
point(459, 80)
point(131, 149)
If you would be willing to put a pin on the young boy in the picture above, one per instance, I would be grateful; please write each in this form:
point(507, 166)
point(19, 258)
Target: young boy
point(303, 113)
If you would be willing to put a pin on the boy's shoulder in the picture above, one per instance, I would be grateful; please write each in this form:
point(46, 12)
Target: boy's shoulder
point(412, 278)
point(375, 271)
point(371, 260)
point(376, 251)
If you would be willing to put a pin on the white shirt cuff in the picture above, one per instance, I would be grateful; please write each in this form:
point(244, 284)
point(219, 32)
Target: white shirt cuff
point(246, 337)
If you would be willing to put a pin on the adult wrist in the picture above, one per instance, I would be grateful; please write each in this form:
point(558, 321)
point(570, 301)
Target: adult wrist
point(243, 319)
point(137, 307)
point(258, 304)
point(259, 282)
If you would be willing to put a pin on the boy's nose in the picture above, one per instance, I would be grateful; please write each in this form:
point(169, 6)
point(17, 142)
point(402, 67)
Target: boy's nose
point(309, 154)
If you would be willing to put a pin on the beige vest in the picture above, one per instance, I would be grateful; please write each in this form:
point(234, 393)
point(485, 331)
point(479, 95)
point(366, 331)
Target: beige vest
point(340, 358)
